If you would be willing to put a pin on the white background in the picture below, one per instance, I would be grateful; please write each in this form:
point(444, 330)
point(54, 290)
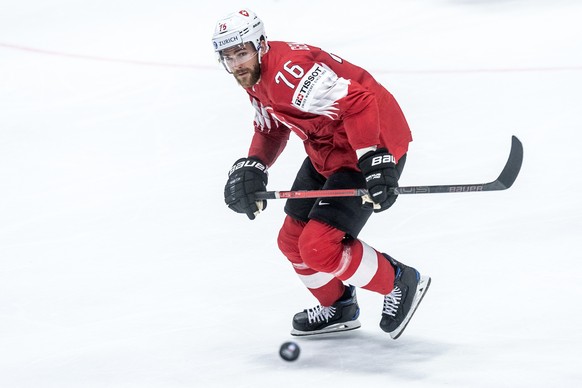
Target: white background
point(120, 266)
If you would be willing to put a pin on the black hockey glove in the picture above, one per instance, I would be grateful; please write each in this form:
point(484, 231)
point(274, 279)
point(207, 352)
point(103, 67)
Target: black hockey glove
point(379, 169)
point(247, 176)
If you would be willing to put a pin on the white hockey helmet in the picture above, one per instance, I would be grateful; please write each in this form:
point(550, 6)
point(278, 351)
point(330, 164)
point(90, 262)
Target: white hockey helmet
point(238, 28)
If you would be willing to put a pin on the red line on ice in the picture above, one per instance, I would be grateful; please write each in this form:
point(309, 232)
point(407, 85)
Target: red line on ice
point(208, 67)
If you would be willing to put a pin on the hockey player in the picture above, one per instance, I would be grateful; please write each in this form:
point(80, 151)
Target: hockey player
point(355, 136)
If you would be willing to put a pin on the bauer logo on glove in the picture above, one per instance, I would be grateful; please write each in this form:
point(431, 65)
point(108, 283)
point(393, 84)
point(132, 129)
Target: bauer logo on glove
point(246, 177)
point(379, 169)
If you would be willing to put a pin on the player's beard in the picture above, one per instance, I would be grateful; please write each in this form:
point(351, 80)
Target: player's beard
point(249, 76)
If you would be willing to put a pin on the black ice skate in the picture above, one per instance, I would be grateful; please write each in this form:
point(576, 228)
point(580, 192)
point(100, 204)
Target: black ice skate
point(401, 303)
point(341, 316)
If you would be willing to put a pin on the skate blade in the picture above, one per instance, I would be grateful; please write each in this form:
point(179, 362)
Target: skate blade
point(421, 289)
point(336, 328)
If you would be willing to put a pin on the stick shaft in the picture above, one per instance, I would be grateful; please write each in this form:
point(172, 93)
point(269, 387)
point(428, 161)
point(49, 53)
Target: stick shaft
point(503, 182)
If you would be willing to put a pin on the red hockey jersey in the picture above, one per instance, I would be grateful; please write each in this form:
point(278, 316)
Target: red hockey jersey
point(334, 106)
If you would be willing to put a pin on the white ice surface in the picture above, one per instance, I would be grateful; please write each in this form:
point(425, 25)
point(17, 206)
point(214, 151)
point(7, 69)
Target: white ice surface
point(120, 266)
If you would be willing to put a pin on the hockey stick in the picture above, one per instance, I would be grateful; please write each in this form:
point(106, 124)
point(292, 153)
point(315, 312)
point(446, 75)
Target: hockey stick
point(503, 182)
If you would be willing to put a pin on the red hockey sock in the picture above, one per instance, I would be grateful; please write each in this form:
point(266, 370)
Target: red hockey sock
point(326, 288)
point(324, 248)
point(364, 267)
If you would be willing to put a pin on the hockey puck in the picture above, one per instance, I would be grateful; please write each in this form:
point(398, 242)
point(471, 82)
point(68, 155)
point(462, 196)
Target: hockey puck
point(289, 351)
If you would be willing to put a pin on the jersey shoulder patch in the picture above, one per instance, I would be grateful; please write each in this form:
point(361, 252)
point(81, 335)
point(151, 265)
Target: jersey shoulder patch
point(319, 90)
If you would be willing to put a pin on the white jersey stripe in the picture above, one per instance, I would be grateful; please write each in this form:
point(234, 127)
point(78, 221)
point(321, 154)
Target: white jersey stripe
point(318, 279)
point(367, 268)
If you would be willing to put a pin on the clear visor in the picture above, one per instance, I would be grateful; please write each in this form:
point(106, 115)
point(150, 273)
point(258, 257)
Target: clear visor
point(236, 56)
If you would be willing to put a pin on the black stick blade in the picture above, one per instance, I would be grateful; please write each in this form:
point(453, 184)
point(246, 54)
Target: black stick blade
point(512, 167)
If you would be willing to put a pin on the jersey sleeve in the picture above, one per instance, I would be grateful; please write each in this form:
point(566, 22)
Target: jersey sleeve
point(270, 137)
point(360, 114)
